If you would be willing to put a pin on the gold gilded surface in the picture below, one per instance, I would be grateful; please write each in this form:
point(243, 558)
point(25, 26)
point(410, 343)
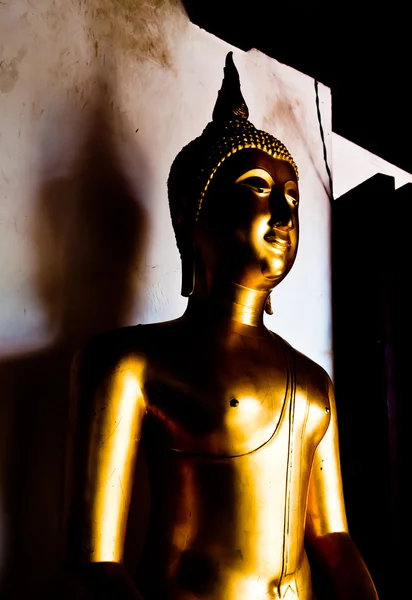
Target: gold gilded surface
point(239, 430)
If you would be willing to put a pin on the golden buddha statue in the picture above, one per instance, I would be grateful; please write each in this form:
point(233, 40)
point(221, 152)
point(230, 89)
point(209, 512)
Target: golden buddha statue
point(239, 430)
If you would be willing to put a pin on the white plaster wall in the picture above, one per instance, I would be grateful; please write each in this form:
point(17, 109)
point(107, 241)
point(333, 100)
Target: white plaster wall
point(63, 64)
point(353, 165)
point(96, 99)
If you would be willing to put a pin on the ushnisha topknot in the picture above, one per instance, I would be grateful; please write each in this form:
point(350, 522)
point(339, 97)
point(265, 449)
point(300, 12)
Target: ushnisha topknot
point(228, 132)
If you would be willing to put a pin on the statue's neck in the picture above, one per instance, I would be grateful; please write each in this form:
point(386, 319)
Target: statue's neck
point(232, 304)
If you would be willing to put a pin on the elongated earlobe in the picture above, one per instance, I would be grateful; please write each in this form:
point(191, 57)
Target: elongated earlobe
point(187, 254)
point(268, 306)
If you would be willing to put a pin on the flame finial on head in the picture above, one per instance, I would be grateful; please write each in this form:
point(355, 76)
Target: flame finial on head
point(230, 103)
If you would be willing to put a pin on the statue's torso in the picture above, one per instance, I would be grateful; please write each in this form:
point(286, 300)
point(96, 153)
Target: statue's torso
point(229, 436)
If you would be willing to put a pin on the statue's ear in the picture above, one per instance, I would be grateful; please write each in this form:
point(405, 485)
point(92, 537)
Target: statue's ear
point(268, 306)
point(183, 224)
point(187, 255)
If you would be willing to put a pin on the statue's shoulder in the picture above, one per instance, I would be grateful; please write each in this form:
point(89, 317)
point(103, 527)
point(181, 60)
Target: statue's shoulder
point(309, 374)
point(108, 351)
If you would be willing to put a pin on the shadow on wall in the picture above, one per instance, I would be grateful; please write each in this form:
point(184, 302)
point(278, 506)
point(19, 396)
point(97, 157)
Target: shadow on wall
point(88, 237)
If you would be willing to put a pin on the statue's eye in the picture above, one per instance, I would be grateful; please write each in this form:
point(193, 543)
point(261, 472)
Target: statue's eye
point(291, 192)
point(257, 184)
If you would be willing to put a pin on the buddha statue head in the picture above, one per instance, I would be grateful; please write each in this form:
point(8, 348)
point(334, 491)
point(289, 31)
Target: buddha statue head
point(233, 197)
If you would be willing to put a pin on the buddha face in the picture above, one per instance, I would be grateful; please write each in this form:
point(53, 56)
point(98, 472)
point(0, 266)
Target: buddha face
point(248, 226)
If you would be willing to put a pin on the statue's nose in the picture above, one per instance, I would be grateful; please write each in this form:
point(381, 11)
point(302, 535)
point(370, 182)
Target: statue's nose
point(280, 212)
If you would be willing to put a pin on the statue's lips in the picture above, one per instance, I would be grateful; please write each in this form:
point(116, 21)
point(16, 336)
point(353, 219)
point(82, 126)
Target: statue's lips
point(275, 240)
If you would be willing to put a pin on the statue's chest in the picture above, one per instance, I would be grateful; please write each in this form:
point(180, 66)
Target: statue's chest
point(223, 404)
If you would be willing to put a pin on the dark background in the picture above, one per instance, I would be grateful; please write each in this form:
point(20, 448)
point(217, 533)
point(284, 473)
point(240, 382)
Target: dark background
point(360, 49)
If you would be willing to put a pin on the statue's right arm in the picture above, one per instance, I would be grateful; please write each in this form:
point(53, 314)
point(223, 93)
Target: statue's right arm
point(340, 565)
point(114, 394)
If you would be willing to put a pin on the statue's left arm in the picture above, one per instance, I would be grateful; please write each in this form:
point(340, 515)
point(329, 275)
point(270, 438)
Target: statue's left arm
point(339, 564)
